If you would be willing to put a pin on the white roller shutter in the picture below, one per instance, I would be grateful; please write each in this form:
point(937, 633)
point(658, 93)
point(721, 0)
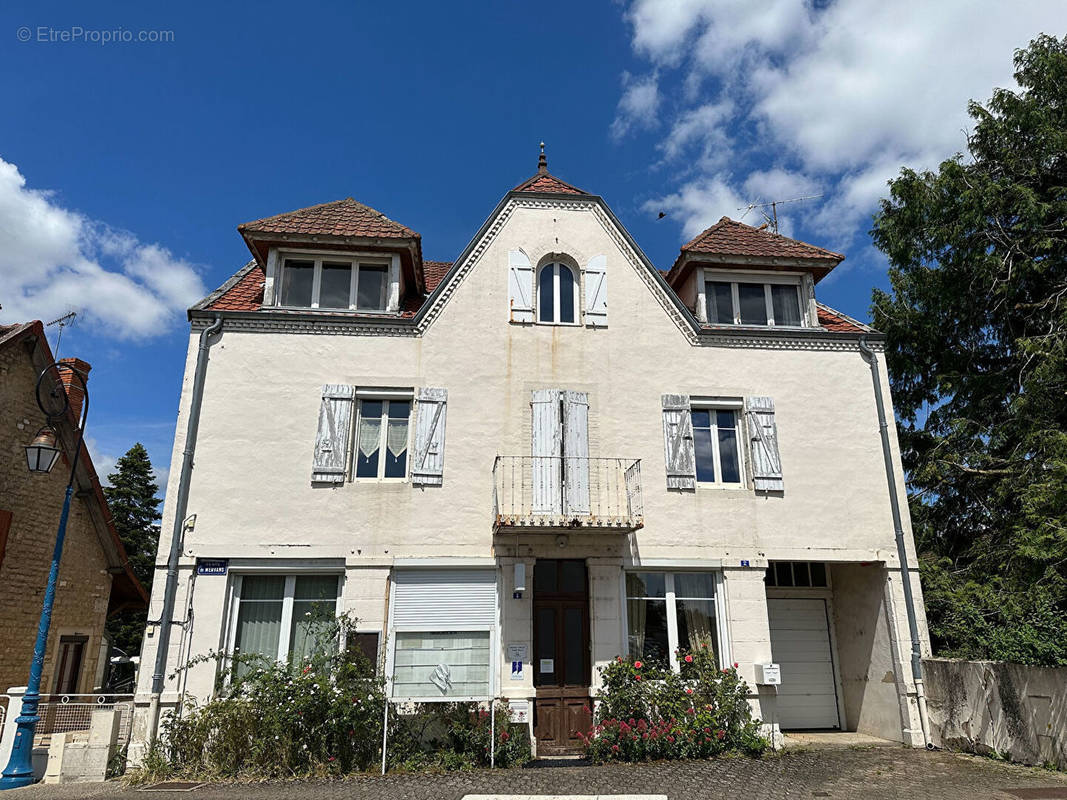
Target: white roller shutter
point(444, 599)
point(800, 644)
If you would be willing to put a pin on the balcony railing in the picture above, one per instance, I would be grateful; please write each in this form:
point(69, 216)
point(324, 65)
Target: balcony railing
point(556, 492)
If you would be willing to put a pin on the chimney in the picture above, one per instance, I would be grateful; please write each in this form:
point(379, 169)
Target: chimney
point(71, 384)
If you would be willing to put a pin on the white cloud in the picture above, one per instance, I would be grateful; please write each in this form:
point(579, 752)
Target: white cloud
point(699, 204)
point(638, 105)
point(103, 463)
point(54, 259)
point(839, 95)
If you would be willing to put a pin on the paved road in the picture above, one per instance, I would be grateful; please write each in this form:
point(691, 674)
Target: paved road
point(867, 773)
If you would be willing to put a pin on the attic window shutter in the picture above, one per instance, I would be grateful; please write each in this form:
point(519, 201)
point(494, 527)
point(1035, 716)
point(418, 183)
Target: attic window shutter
point(678, 442)
point(520, 287)
point(763, 437)
point(331, 443)
point(428, 467)
point(596, 292)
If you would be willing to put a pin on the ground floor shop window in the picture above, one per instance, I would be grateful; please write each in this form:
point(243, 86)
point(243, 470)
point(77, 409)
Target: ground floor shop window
point(281, 617)
point(442, 665)
point(666, 611)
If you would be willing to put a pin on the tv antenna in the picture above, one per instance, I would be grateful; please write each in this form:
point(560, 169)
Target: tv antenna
point(772, 218)
point(62, 322)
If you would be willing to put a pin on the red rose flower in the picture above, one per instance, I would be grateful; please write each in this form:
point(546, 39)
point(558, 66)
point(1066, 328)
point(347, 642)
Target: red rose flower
point(689, 690)
point(637, 677)
point(721, 734)
point(637, 665)
point(689, 659)
point(735, 665)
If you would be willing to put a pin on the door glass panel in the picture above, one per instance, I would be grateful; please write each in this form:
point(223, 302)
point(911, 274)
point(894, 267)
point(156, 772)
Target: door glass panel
point(545, 577)
point(786, 305)
point(370, 438)
point(572, 577)
point(573, 647)
point(752, 300)
point(297, 278)
point(396, 448)
point(720, 303)
point(335, 286)
point(546, 647)
point(370, 288)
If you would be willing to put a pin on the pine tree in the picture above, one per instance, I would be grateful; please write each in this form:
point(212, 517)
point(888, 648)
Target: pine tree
point(135, 511)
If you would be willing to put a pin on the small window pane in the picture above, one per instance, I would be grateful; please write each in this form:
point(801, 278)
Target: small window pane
point(370, 291)
point(783, 574)
point(753, 302)
point(297, 280)
point(370, 438)
point(396, 447)
point(545, 577)
point(694, 584)
point(786, 305)
point(646, 584)
point(566, 294)
point(545, 294)
point(696, 624)
point(647, 630)
point(702, 445)
point(335, 285)
point(720, 303)
point(364, 645)
point(572, 577)
point(731, 467)
point(818, 573)
point(800, 574)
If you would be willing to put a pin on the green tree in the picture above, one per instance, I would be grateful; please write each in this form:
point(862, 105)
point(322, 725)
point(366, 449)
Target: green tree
point(977, 356)
point(135, 511)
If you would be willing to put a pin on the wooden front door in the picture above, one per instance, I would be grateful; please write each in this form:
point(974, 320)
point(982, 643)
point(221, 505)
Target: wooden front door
point(561, 656)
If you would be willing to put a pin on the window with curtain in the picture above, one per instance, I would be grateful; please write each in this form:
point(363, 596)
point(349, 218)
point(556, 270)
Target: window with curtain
point(668, 611)
point(557, 294)
point(382, 438)
point(283, 617)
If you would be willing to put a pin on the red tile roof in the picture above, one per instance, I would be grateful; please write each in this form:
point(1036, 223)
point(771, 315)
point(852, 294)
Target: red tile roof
point(545, 182)
point(435, 272)
point(245, 295)
point(728, 237)
point(834, 320)
point(346, 217)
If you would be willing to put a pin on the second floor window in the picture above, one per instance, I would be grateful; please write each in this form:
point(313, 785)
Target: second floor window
point(557, 292)
point(382, 438)
point(716, 445)
point(742, 303)
point(334, 283)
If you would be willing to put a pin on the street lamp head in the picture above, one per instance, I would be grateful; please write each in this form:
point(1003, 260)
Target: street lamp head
point(42, 453)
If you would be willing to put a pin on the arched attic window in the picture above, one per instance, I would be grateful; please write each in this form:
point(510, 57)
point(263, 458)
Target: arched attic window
point(557, 294)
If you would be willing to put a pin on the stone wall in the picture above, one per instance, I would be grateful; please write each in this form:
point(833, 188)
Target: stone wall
point(35, 502)
point(995, 708)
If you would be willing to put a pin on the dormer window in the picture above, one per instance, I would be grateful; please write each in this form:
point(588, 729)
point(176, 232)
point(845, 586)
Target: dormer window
point(332, 282)
point(556, 292)
point(744, 300)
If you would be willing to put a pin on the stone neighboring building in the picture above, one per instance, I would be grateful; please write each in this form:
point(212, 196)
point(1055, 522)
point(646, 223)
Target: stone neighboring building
point(695, 461)
point(95, 579)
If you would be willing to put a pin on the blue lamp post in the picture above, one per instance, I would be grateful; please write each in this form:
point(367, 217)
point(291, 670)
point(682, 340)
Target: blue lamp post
point(41, 455)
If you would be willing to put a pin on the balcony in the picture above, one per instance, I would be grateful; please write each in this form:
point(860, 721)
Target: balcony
point(560, 492)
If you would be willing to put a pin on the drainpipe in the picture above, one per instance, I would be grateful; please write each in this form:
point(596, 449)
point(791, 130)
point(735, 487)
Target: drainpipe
point(180, 506)
point(902, 553)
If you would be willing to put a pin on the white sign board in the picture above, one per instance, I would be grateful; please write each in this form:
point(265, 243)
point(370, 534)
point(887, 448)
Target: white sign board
point(518, 652)
point(768, 674)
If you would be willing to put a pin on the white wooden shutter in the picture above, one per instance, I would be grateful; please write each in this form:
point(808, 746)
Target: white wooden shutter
point(428, 467)
point(576, 452)
point(520, 287)
point(763, 438)
point(678, 442)
point(596, 292)
point(546, 450)
point(444, 599)
point(331, 443)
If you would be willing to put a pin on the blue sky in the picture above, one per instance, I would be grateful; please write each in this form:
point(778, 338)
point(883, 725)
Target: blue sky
point(125, 166)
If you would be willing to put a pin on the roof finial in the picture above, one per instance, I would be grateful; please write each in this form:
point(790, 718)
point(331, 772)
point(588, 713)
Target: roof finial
point(542, 162)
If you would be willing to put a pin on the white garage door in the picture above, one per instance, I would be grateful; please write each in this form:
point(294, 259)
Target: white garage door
point(800, 643)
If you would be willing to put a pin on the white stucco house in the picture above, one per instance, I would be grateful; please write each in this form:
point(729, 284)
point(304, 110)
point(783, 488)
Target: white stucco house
point(513, 467)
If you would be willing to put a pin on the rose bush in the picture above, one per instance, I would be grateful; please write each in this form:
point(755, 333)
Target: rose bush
point(647, 712)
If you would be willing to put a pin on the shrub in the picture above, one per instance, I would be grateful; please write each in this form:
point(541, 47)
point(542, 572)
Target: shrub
point(454, 736)
point(646, 712)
